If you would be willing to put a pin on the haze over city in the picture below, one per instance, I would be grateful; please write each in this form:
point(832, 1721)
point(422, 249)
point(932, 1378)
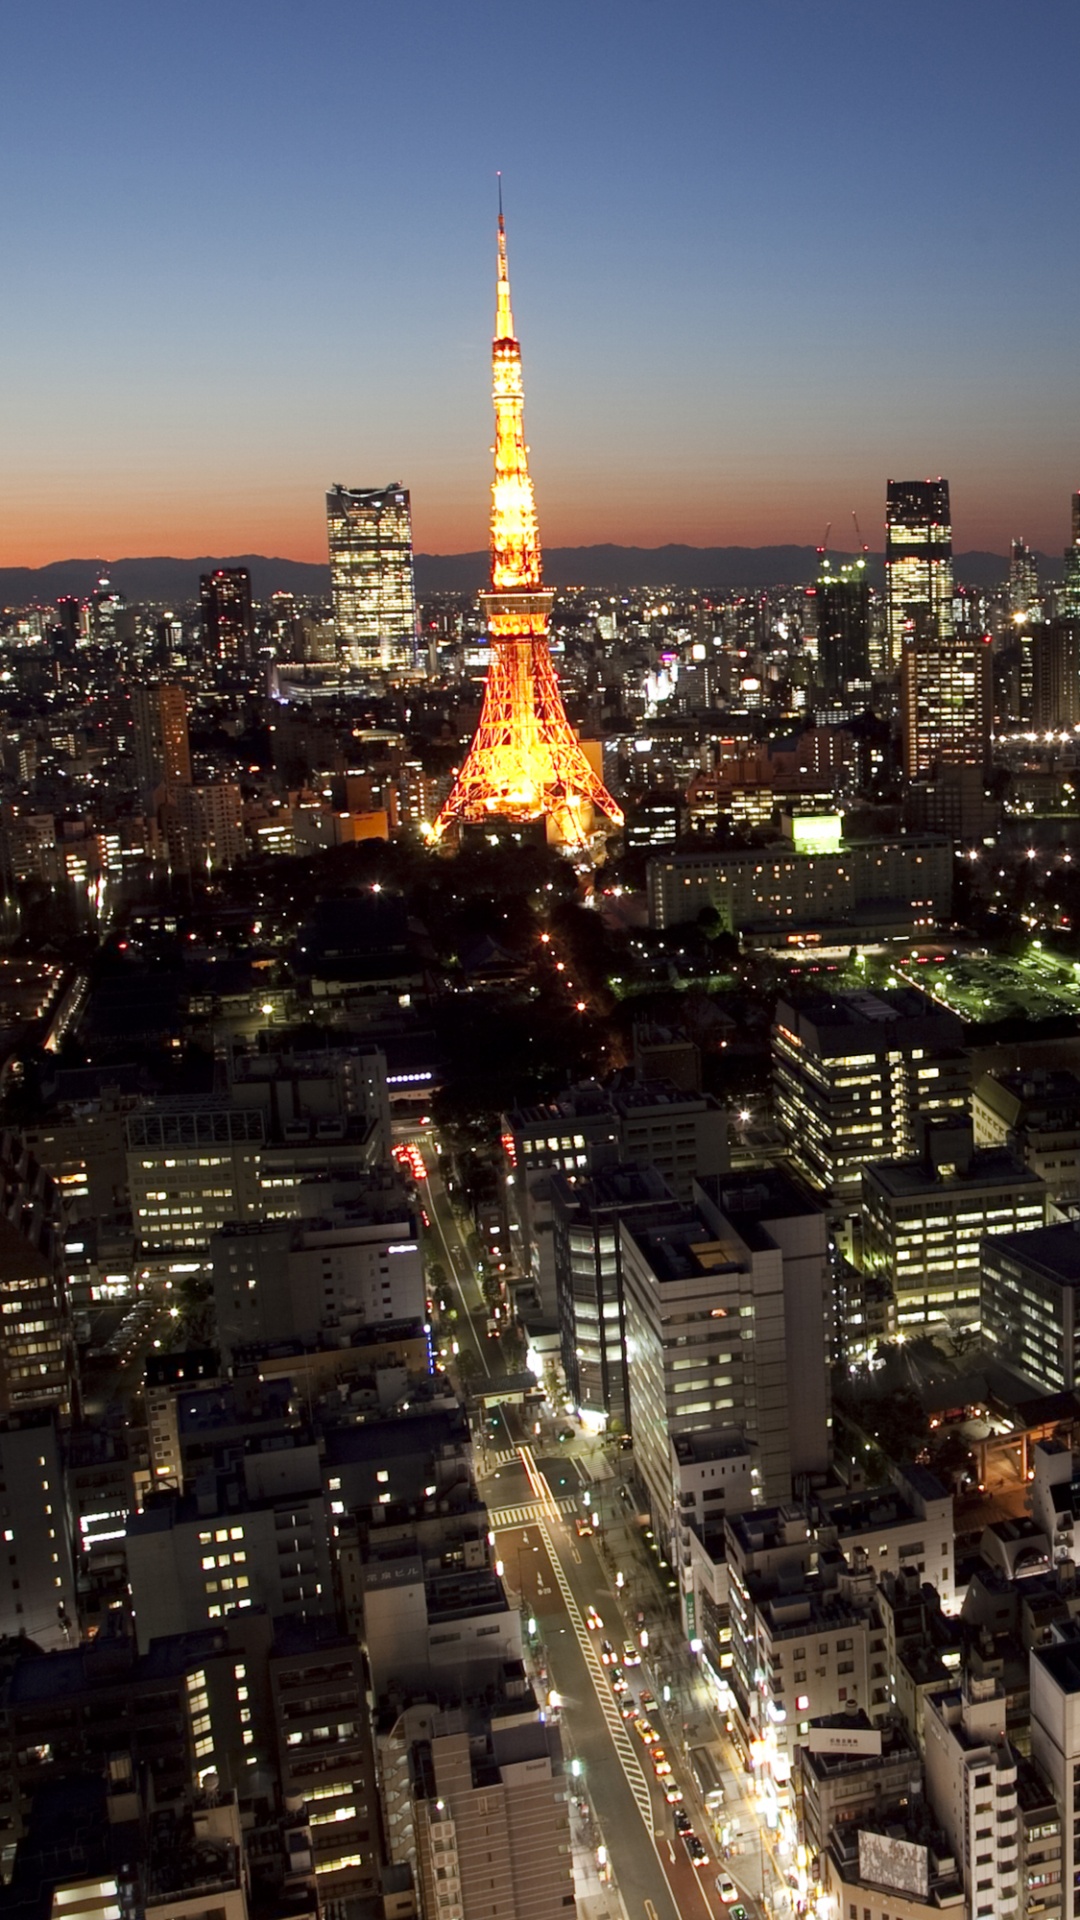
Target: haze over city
point(764, 257)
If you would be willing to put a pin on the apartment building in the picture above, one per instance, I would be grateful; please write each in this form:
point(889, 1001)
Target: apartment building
point(492, 1819)
point(971, 1781)
point(354, 1266)
point(258, 1537)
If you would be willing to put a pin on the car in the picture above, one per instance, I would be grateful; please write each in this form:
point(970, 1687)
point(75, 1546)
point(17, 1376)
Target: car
point(608, 1654)
point(672, 1793)
point(630, 1654)
point(593, 1621)
point(647, 1732)
point(565, 1433)
point(619, 1681)
point(739, 1912)
point(698, 1856)
point(631, 1710)
point(661, 1765)
point(683, 1823)
point(647, 1699)
point(583, 1527)
point(726, 1888)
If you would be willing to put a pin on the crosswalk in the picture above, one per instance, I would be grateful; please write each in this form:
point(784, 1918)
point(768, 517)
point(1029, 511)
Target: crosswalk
point(525, 1514)
point(505, 1457)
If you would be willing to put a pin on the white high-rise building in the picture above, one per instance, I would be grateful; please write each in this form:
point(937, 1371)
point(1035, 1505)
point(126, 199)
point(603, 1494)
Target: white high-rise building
point(726, 1332)
point(971, 1783)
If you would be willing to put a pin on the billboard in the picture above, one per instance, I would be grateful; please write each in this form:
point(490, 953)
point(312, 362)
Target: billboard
point(894, 1863)
point(857, 1740)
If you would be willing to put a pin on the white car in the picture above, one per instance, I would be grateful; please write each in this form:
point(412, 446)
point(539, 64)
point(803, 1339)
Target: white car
point(727, 1890)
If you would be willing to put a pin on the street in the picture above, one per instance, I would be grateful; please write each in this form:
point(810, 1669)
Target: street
point(557, 1575)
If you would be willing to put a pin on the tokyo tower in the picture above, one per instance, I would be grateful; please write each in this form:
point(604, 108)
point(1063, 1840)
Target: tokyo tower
point(525, 762)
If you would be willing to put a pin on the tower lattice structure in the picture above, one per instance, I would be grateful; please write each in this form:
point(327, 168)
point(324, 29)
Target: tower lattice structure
point(525, 760)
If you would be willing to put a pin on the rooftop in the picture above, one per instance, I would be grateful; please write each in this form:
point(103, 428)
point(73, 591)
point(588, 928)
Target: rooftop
point(989, 1168)
point(1051, 1252)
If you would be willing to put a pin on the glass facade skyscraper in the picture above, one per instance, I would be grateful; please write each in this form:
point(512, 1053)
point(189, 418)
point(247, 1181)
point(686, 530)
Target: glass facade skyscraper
point(918, 562)
point(843, 633)
point(371, 574)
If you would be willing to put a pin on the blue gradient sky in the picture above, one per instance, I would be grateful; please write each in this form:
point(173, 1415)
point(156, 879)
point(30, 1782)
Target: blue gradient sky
point(764, 254)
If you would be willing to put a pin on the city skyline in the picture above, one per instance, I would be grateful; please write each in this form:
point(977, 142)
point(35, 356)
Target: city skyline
point(768, 262)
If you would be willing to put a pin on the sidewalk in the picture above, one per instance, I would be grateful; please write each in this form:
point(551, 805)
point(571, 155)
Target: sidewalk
point(596, 1899)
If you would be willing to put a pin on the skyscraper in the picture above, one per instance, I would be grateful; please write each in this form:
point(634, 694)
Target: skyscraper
point(1069, 599)
point(843, 632)
point(162, 752)
point(228, 621)
point(371, 573)
point(1023, 578)
point(1056, 674)
point(918, 561)
point(946, 701)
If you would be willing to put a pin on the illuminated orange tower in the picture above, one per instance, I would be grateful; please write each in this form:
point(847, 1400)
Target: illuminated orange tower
point(525, 761)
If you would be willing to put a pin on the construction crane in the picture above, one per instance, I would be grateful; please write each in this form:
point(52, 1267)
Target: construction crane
point(863, 548)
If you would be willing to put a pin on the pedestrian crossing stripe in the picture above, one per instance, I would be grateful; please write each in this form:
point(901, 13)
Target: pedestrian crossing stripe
point(526, 1514)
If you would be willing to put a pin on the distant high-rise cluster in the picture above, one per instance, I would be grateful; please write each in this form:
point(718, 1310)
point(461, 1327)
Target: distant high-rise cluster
point(371, 574)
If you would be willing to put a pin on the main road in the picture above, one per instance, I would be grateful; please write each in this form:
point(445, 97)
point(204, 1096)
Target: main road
point(559, 1575)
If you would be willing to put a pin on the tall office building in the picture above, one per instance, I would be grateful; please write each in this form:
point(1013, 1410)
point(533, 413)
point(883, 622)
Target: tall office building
point(1023, 579)
point(918, 561)
point(843, 633)
point(1069, 597)
point(371, 573)
point(228, 620)
point(946, 701)
point(162, 752)
point(1055, 656)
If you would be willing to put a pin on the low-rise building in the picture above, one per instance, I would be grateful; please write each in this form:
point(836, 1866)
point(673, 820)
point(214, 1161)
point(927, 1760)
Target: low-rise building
point(258, 1537)
point(892, 886)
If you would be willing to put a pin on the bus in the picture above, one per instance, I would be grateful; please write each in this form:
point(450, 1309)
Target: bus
point(706, 1773)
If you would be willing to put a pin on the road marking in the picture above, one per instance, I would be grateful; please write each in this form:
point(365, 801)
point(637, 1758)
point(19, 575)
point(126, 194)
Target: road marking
point(650, 1910)
point(524, 1515)
point(506, 1457)
point(433, 1211)
point(616, 1725)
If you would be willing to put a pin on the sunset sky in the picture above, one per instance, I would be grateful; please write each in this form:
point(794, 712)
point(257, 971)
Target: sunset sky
point(764, 254)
